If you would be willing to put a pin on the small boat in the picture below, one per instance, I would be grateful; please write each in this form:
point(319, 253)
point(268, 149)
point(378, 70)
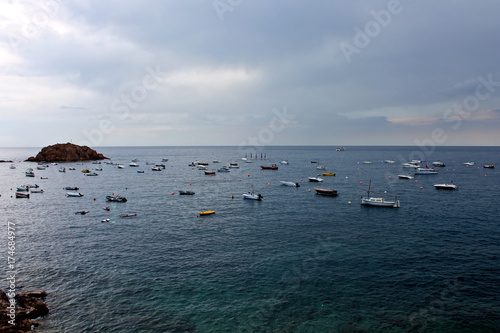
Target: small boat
point(406, 176)
point(325, 192)
point(208, 212)
point(160, 166)
point(224, 169)
point(380, 202)
point(22, 195)
point(212, 172)
point(91, 174)
point(116, 198)
point(120, 166)
point(86, 171)
point(98, 169)
point(234, 165)
point(202, 163)
point(445, 186)
point(12, 166)
point(71, 168)
point(164, 159)
point(186, 192)
point(389, 161)
point(314, 161)
point(96, 162)
point(489, 166)
point(105, 220)
point(469, 163)
point(150, 163)
point(284, 162)
point(156, 168)
point(215, 161)
point(36, 191)
point(22, 188)
point(438, 164)
point(192, 164)
point(321, 167)
point(33, 186)
point(128, 215)
point(316, 179)
point(425, 171)
point(82, 212)
point(411, 165)
point(74, 194)
point(62, 169)
point(272, 167)
point(29, 172)
point(202, 167)
point(367, 162)
point(285, 183)
point(40, 167)
point(71, 188)
point(133, 164)
point(340, 149)
point(44, 177)
point(328, 174)
point(106, 208)
point(252, 196)
point(138, 171)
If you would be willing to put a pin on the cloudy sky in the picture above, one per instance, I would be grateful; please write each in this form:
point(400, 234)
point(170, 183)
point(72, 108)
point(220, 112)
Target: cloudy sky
point(268, 72)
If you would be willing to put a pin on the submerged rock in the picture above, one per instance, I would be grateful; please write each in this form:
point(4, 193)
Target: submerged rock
point(66, 152)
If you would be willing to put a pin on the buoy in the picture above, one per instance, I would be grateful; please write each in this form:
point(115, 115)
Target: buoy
point(268, 184)
point(416, 181)
point(232, 197)
point(421, 187)
point(346, 177)
point(189, 183)
point(173, 193)
point(309, 190)
point(486, 175)
point(248, 175)
point(126, 188)
point(301, 179)
point(240, 180)
point(361, 183)
point(390, 177)
point(95, 199)
point(349, 202)
point(197, 215)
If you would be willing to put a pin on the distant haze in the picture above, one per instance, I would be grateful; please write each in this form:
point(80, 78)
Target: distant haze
point(249, 72)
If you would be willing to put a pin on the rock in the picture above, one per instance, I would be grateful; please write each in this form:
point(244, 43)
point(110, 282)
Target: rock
point(66, 152)
point(28, 307)
point(2, 161)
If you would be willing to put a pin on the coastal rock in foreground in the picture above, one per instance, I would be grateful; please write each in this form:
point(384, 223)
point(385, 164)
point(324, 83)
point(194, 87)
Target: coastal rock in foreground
point(66, 152)
point(27, 307)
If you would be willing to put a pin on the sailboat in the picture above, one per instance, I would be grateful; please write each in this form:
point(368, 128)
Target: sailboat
point(381, 202)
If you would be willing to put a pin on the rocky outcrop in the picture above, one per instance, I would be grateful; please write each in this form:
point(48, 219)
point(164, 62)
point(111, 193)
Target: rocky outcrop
point(19, 317)
point(66, 152)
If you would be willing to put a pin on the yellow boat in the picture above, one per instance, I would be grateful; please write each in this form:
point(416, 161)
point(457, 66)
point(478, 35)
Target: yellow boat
point(328, 174)
point(208, 212)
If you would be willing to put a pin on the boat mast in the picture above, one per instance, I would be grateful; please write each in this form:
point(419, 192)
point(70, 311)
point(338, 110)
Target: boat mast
point(369, 185)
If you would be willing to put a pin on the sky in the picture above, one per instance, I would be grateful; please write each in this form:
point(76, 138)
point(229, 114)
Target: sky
point(249, 72)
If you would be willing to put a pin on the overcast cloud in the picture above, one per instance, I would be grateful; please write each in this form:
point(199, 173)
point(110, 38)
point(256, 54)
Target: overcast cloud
point(220, 72)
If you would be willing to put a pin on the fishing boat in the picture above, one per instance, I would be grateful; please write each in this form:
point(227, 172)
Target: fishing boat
point(469, 163)
point(445, 186)
point(162, 166)
point(316, 179)
point(272, 167)
point(252, 196)
point(164, 159)
point(86, 171)
point(425, 171)
point(74, 194)
point(325, 192)
point(186, 192)
point(29, 172)
point(116, 198)
point(210, 172)
point(202, 163)
point(71, 188)
point(381, 202)
point(72, 168)
point(98, 169)
point(489, 166)
point(285, 183)
point(128, 215)
point(208, 212)
point(22, 195)
point(328, 174)
point(438, 164)
point(406, 176)
point(192, 164)
point(340, 149)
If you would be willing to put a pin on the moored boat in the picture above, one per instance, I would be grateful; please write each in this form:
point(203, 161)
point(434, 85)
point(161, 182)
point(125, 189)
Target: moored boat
point(425, 171)
point(91, 174)
point(134, 164)
point(210, 172)
point(36, 190)
point(438, 164)
point(74, 194)
point(156, 168)
point(316, 179)
point(285, 183)
point(128, 215)
point(381, 201)
point(116, 198)
point(272, 167)
point(22, 195)
point(445, 186)
point(406, 176)
point(208, 212)
point(186, 192)
point(224, 169)
point(469, 163)
point(252, 196)
point(322, 191)
point(62, 169)
point(29, 172)
point(328, 174)
point(71, 188)
point(489, 166)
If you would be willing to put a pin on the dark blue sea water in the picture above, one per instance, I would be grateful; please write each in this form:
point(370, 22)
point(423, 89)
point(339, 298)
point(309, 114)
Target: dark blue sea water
point(294, 262)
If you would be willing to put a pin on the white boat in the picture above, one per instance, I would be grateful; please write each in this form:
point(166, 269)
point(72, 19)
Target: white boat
point(469, 163)
point(98, 169)
point(224, 169)
point(202, 167)
point(72, 168)
point(316, 179)
point(134, 164)
point(340, 149)
point(251, 195)
point(12, 166)
point(234, 165)
point(406, 176)
point(389, 161)
point(74, 194)
point(381, 201)
point(284, 162)
point(411, 165)
point(285, 183)
point(29, 172)
point(22, 188)
point(215, 161)
point(367, 162)
point(438, 164)
point(22, 195)
point(425, 171)
point(91, 174)
point(40, 167)
point(62, 169)
point(156, 168)
point(321, 167)
point(445, 186)
point(120, 166)
point(33, 186)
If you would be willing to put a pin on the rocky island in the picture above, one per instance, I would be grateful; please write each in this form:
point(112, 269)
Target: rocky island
point(66, 152)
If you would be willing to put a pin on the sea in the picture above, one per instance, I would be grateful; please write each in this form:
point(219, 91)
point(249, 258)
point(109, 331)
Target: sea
point(295, 261)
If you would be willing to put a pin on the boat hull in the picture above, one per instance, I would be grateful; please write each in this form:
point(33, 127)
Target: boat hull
point(380, 202)
point(325, 192)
